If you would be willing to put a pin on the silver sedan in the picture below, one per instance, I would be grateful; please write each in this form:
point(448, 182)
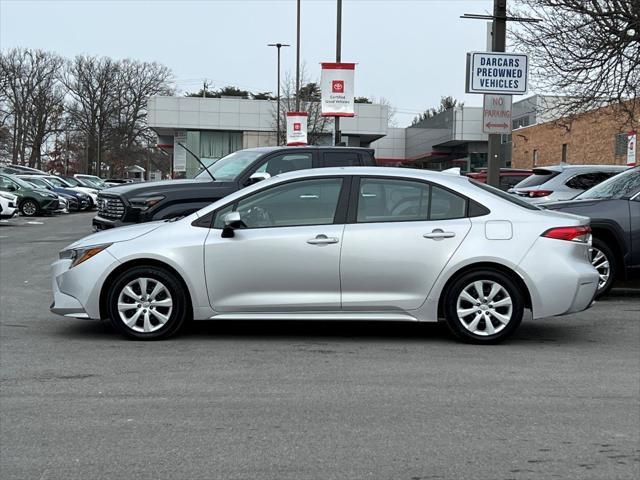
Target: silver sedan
point(355, 243)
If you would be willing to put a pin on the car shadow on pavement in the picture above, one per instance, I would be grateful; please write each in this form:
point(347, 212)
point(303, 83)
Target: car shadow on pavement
point(530, 332)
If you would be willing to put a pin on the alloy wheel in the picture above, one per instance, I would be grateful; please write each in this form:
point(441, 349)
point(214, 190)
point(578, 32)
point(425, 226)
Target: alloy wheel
point(29, 208)
point(145, 305)
point(484, 307)
point(601, 263)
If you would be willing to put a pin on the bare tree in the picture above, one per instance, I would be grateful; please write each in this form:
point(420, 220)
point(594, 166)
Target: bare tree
point(31, 101)
point(587, 51)
point(446, 103)
point(92, 85)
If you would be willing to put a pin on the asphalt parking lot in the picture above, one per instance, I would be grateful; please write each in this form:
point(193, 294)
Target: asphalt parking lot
point(299, 400)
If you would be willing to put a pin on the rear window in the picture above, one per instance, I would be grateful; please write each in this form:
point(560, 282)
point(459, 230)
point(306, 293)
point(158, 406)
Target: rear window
point(504, 195)
point(539, 177)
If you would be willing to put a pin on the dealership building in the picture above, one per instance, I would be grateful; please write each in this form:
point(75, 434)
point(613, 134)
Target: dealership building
point(215, 127)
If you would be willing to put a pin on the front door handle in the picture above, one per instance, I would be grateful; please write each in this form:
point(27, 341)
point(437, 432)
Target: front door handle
point(439, 234)
point(322, 240)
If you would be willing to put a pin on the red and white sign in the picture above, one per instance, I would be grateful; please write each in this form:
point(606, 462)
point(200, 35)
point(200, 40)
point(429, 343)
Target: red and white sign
point(632, 146)
point(336, 86)
point(496, 114)
point(297, 128)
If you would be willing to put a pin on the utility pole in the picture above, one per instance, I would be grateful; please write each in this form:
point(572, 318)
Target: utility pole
point(298, 57)
point(498, 44)
point(336, 121)
point(278, 46)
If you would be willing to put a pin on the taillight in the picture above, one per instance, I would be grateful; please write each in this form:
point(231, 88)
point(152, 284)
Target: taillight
point(539, 193)
point(581, 233)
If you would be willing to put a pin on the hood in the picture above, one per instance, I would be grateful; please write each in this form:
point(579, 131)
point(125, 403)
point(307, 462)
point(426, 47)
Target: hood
point(149, 188)
point(114, 235)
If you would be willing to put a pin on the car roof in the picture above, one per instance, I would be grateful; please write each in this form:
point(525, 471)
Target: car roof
point(306, 147)
point(562, 168)
point(376, 171)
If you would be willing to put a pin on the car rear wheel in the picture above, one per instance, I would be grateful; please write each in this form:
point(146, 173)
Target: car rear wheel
point(29, 207)
point(147, 303)
point(483, 306)
point(604, 262)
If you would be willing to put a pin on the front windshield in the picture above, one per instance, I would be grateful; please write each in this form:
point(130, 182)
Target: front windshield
point(58, 182)
point(93, 181)
point(227, 169)
point(619, 186)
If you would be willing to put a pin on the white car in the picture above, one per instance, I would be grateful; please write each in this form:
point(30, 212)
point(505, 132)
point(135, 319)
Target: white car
point(8, 205)
point(355, 243)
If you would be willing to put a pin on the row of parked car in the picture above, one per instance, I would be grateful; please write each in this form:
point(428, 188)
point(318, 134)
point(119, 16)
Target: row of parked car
point(30, 192)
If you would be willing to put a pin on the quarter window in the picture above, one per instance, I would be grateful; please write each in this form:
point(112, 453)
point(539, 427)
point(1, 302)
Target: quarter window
point(305, 202)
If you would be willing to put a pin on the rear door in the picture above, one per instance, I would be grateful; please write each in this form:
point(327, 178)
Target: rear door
point(400, 235)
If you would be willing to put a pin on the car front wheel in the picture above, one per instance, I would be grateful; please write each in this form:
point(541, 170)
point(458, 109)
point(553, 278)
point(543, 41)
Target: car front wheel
point(147, 303)
point(29, 208)
point(483, 306)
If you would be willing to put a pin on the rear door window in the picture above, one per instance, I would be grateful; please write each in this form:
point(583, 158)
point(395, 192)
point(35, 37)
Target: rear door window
point(539, 177)
point(340, 159)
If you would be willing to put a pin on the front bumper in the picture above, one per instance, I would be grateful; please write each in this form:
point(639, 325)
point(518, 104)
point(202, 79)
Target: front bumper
point(101, 223)
point(76, 291)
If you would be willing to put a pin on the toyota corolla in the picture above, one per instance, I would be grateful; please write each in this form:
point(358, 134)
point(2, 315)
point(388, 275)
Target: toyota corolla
point(354, 243)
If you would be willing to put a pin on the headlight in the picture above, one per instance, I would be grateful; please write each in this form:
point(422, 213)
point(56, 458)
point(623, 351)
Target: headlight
point(145, 203)
point(79, 255)
point(8, 196)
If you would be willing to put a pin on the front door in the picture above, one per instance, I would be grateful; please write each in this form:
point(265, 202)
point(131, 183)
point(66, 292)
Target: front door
point(405, 232)
point(287, 258)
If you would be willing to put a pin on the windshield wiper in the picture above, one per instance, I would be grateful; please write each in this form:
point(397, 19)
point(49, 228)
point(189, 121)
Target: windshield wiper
point(198, 159)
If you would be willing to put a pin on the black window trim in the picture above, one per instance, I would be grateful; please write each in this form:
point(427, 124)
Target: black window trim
point(250, 170)
point(338, 217)
point(352, 212)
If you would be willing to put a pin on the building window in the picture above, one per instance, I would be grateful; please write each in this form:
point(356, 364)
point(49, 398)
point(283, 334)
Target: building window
point(564, 153)
point(535, 158)
point(621, 144)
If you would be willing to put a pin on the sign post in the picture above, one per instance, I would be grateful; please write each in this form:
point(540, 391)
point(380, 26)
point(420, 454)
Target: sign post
point(496, 114)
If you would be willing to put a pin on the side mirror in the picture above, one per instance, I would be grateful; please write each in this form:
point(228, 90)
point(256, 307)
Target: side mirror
point(232, 220)
point(258, 177)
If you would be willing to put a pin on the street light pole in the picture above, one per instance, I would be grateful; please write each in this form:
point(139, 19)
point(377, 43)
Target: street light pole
point(336, 121)
point(298, 57)
point(278, 46)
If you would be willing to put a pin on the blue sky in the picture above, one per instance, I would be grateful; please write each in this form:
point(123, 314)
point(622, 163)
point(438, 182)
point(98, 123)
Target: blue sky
point(410, 52)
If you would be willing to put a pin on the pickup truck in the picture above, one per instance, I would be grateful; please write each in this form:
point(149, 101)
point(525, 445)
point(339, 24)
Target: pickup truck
point(149, 201)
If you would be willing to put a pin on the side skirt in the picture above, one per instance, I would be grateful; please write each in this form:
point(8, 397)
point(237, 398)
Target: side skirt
point(347, 316)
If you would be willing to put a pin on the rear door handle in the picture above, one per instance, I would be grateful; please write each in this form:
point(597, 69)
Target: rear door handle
point(322, 240)
point(439, 234)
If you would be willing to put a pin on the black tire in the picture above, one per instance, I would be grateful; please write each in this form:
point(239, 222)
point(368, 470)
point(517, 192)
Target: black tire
point(29, 207)
point(457, 325)
point(178, 314)
point(613, 267)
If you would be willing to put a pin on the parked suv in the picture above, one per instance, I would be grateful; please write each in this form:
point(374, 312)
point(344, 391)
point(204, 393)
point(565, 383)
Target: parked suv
point(563, 182)
point(31, 201)
point(144, 202)
point(509, 177)
point(614, 209)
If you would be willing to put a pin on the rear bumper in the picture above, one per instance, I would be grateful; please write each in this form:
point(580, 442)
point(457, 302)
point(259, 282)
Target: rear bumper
point(562, 277)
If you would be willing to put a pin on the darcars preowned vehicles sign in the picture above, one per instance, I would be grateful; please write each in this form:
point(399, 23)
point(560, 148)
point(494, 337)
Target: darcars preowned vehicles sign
point(297, 128)
point(336, 86)
point(497, 72)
